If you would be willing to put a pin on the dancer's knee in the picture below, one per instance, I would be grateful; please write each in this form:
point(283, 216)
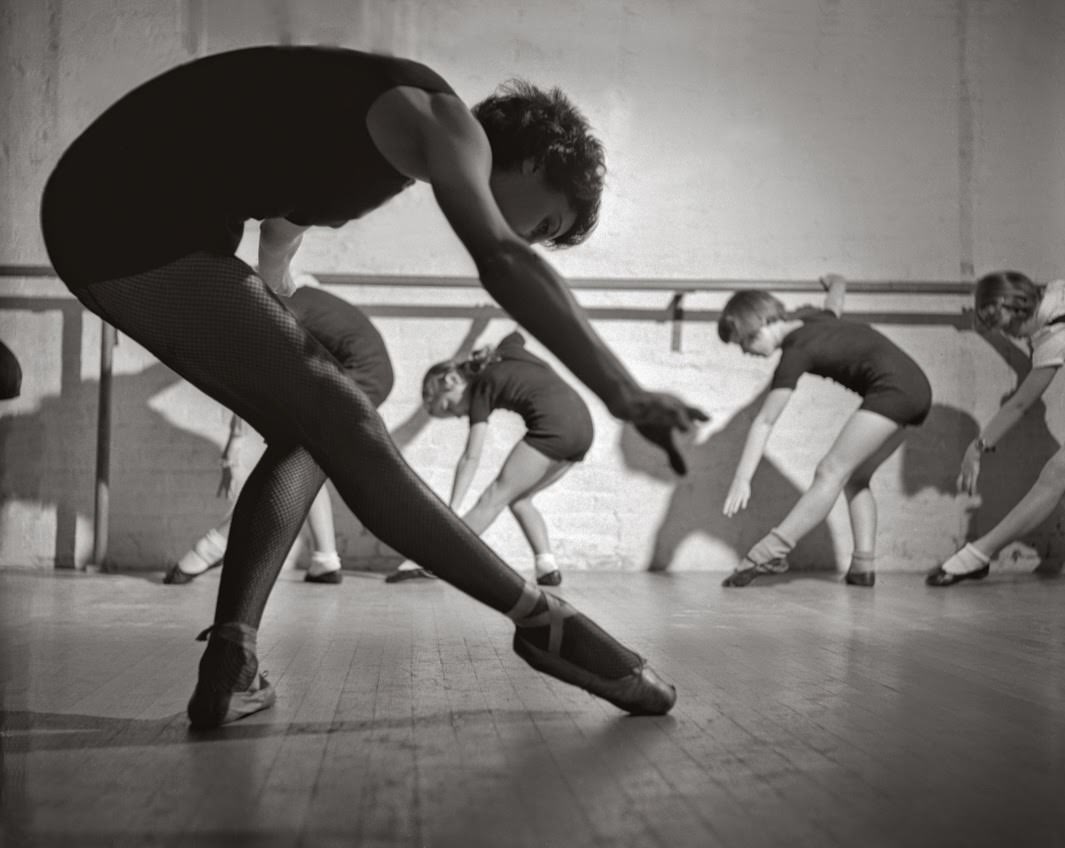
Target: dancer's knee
point(1052, 477)
point(831, 473)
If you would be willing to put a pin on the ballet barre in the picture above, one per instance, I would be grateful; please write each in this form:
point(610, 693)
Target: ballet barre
point(674, 312)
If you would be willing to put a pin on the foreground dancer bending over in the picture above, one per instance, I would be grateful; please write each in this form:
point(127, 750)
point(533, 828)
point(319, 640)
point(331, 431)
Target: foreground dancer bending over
point(1009, 302)
point(895, 394)
point(559, 432)
point(344, 330)
point(147, 242)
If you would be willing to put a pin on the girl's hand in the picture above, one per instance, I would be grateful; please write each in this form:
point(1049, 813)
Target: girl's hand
point(739, 493)
point(226, 483)
point(970, 470)
point(828, 279)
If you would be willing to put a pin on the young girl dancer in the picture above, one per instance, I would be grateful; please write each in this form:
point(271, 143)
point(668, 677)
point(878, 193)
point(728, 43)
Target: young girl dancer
point(1009, 302)
point(148, 242)
point(558, 434)
point(353, 340)
point(895, 394)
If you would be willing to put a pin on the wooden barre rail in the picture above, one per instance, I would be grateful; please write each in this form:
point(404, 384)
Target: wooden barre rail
point(924, 287)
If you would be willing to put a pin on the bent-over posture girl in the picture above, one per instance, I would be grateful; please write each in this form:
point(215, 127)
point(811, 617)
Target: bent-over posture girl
point(895, 394)
point(558, 434)
point(1011, 303)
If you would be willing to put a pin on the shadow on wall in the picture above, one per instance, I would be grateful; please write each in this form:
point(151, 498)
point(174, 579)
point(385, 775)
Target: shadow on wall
point(930, 459)
point(50, 460)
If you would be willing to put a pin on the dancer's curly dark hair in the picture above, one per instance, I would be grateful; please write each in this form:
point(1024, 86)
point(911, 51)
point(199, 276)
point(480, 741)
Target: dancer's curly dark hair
point(526, 123)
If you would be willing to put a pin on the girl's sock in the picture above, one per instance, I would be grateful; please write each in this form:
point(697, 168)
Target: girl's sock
point(862, 562)
point(205, 553)
point(323, 563)
point(773, 546)
point(545, 564)
point(966, 560)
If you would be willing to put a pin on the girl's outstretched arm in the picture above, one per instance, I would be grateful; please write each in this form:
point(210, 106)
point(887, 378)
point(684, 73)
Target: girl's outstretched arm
point(739, 493)
point(1030, 390)
point(835, 286)
point(467, 464)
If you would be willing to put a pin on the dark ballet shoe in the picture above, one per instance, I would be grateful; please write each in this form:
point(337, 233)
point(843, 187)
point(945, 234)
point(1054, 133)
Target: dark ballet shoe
point(333, 576)
point(859, 578)
point(939, 577)
point(176, 577)
point(640, 692)
point(402, 574)
point(552, 578)
point(743, 576)
point(211, 706)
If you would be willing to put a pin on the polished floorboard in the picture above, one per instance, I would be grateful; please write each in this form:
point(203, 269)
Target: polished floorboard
point(810, 714)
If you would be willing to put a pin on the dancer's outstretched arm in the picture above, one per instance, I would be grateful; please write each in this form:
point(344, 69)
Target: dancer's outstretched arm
point(458, 162)
point(739, 492)
point(1012, 411)
point(468, 463)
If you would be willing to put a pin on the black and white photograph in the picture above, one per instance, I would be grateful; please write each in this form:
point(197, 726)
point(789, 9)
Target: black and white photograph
point(596, 424)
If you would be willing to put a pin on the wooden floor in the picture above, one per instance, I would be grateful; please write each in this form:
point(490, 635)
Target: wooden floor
point(810, 714)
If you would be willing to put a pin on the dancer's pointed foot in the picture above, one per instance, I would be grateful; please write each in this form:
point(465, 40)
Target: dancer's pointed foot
point(637, 689)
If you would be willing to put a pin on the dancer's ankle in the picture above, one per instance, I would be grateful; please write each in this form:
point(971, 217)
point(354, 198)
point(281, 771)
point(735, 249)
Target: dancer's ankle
point(323, 562)
point(968, 559)
point(545, 564)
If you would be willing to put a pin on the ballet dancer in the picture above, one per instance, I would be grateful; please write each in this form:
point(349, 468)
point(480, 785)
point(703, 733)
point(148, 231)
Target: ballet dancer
point(315, 136)
point(895, 394)
point(1011, 303)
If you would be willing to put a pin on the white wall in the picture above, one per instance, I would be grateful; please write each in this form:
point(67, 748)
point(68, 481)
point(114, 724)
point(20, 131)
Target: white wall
point(909, 140)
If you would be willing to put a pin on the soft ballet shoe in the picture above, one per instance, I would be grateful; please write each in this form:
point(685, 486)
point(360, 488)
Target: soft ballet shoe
point(859, 578)
point(939, 577)
point(403, 574)
point(176, 577)
point(743, 576)
point(552, 578)
point(333, 576)
point(212, 706)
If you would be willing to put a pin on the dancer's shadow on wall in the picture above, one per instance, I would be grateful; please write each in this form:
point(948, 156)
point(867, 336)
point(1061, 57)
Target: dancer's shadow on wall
point(1008, 473)
point(49, 460)
point(930, 459)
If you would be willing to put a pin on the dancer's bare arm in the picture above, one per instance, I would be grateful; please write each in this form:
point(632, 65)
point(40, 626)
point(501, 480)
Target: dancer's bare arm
point(739, 492)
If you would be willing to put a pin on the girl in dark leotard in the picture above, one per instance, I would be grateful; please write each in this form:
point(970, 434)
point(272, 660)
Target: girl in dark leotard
point(142, 216)
point(346, 332)
point(1009, 302)
point(558, 434)
point(895, 394)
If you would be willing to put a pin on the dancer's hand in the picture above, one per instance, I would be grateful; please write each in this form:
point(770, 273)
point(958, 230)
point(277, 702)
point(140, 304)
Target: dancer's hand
point(970, 470)
point(739, 493)
point(656, 415)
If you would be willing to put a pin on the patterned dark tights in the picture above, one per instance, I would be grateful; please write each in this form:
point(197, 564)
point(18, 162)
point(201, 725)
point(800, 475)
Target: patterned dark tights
point(212, 320)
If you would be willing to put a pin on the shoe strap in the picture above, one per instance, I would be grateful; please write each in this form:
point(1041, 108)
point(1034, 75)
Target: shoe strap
point(236, 632)
point(553, 615)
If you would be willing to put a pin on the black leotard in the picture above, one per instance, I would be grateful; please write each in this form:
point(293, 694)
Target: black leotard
point(858, 357)
point(557, 420)
point(346, 332)
point(177, 165)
